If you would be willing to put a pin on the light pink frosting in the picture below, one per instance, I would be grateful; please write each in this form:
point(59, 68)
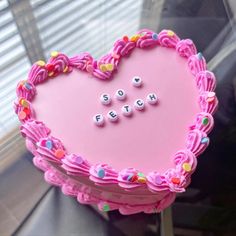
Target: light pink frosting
point(173, 180)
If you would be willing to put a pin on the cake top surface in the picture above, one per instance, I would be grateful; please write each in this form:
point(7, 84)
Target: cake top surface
point(156, 123)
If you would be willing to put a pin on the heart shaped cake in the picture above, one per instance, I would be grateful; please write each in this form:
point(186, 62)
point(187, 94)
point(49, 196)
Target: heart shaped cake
point(125, 131)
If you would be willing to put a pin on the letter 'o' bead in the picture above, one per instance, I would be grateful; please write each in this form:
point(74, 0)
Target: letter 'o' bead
point(120, 94)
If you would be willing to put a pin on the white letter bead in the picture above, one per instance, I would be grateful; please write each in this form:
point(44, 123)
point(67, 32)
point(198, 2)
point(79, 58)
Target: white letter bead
point(127, 110)
point(137, 81)
point(139, 104)
point(112, 116)
point(152, 98)
point(98, 119)
point(120, 94)
point(105, 99)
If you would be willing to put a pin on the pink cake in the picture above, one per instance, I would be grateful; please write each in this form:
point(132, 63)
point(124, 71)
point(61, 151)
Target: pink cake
point(123, 132)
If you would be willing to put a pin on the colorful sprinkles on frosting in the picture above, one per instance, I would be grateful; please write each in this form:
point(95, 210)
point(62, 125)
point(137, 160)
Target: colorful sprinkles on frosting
point(101, 173)
point(106, 207)
point(205, 121)
point(187, 167)
point(205, 140)
point(59, 153)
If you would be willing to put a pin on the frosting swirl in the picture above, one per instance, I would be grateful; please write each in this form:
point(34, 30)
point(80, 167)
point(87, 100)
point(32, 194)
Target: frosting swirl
point(204, 122)
point(196, 63)
point(51, 149)
point(208, 102)
point(75, 165)
point(205, 81)
point(25, 89)
point(197, 142)
point(37, 74)
point(168, 38)
point(186, 48)
point(103, 174)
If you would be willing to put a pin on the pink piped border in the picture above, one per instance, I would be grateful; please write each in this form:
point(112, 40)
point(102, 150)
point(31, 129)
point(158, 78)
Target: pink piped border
point(43, 145)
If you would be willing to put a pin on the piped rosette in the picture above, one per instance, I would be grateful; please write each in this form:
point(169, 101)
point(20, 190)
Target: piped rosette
point(185, 162)
point(168, 38)
point(54, 177)
point(131, 178)
point(186, 48)
point(51, 149)
point(103, 174)
point(197, 141)
point(147, 38)
point(25, 89)
point(205, 81)
point(24, 109)
point(70, 187)
point(196, 63)
point(75, 165)
point(157, 182)
point(38, 73)
point(34, 130)
point(204, 122)
point(208, 102)
point(58, 63)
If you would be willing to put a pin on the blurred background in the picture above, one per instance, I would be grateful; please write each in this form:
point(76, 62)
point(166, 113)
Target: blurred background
point(31, 29)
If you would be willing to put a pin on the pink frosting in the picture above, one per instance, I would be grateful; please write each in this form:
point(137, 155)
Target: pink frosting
point(204, 122)
point(37, 74)
point(173, 180)
point(30, 114)
point(195, 141)
point(196, 63)
point(25, 89)
point(208, 102)
point(49, 154)
point(103, 174)
point(183, 157)
point(168, 38)
point(205, 81)
point(186, 48)
point(125, 179)
point(75, 165)
point(34, 130)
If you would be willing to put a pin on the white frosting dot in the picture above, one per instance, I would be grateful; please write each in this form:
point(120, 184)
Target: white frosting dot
point(120, 94)
point(136, 81)
point(98, 119)
point(112, 116)
point(127, 110)
point(152, 98)
point(105, 99)
point(139, 104)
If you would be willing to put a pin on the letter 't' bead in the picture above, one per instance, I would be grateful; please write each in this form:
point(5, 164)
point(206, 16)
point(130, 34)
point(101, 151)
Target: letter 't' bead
point(127, 110)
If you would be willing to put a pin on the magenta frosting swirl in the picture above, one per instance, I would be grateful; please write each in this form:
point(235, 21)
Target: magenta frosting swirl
point(147, 39)
point(197, 141)
point(157, 182)
point(108, 174)
point(205, 81)
point(25, 89)
point(70, 188)
point(41, 163)
point(30, 114)
point(186, 48)
point(34, 130)
point(81, 61)
point(47, 153)
point(37, 74)
point(185, 157)
point(196, 63)
point(61, 63)
point(168, 38)
point(208, 102)
point(75, 165)
point(204, 122)
point(124, 181)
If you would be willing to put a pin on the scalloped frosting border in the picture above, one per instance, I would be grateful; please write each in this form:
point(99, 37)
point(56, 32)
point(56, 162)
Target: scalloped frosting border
point(40, 142)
